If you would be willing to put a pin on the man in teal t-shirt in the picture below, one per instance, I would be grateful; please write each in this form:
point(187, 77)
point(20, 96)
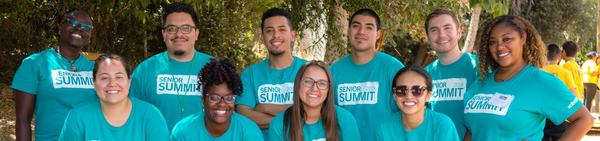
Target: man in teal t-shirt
point(347, 130)
point(269, 84)
point(453, 72)
point(516, 109)
point(363, 79)
point(435, 127)
point(51, 82)
point(87, 122)
point(169, 80)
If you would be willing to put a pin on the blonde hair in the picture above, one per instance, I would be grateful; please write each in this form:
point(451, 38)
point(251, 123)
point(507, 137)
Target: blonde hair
point(534, 52)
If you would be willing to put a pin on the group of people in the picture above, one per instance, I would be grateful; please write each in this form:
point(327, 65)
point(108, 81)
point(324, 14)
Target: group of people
point(182, 94)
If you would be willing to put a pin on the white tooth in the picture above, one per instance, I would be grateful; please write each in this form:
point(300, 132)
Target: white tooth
point(112, 92)
point(76, 35)
point(503, 54)
point(312, 95)
point(220, 112)
point(276, 43)
point(409, 103)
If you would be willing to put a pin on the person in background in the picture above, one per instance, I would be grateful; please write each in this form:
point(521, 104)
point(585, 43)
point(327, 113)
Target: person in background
point(49, 83)
point(314, 115)
point(571, 50)
point(114, 115)
point(551, 131)
point(218, 121)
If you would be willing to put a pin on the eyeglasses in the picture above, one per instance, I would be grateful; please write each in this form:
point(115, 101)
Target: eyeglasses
point(185, 29)
point(76, 23)
point(214, 98)
point(402, 91)
point(309, 82)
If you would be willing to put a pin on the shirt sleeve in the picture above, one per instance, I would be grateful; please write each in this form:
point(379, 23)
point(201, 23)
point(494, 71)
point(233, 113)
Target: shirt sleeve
point(447, 130)
point(252, 132)
point(348, 125)
point(156, 126)
point(71, 130)
point(275, 131)
point(26, 78)
point(248, 96)
point(136, 89)
point(559, 104)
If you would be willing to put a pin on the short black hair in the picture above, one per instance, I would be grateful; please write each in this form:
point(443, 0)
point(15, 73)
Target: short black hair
point(179, 7)
point(276, 12)
point(366, 12)
point(439, 12)
point(63, 17)
point(552, 51)
point(416, 69)
point(570, 48)
point(109, 56)
point(219, 71)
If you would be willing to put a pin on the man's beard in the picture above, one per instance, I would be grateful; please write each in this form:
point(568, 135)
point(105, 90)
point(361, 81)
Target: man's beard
point(274, 53)
point(178, 53)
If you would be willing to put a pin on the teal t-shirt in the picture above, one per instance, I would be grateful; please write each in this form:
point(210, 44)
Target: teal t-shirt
point(347, 128)
point(435, 127)
point(193, 128)
point(170, 85)
point(88, 123)
point(57, 88)
point(516, 109)
point(450, 83)
point(265, 85)
point(365, 90)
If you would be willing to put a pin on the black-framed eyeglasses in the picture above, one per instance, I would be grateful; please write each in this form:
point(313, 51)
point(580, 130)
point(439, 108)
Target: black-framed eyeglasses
point(185, 29)
point(214, 98)
point(416, 90)
point(76, 23)
point(309, 82)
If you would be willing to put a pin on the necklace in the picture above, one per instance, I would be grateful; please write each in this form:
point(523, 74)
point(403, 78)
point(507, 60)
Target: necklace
point(71, 62)
point(179, 96)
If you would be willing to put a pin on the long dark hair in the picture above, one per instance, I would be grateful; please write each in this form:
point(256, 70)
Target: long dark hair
point(295, 115)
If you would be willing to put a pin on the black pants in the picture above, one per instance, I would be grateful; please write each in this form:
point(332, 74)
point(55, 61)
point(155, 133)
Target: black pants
point(553, 132)
point(590, 92)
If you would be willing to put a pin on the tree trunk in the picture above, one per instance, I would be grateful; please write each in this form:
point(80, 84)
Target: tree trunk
point(472, 32)
point(337, 41)
point(598, 28)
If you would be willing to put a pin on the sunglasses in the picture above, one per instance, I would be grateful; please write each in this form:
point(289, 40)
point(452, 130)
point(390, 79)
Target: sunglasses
point(416, 90)
point(214, 98)
point(83, 26)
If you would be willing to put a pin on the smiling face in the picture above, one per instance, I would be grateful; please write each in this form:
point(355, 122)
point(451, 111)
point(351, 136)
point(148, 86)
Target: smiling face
point(180, 43)
point(111, 82)
point(313, 87)
point(443, 33)
point(363, 33)
point(411, 104)
point(277, 35)
point(218, 112)
point(506, 46)
point(75, 36)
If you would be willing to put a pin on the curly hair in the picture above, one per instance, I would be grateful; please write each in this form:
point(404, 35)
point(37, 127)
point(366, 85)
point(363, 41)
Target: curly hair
point(219, 71)
point(534, 51)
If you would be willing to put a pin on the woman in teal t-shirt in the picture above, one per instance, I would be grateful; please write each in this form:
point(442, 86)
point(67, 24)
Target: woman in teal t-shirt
point(412, 89)
point(220, 86)
point(515, 97)
point(114, 116)
point(314, 115)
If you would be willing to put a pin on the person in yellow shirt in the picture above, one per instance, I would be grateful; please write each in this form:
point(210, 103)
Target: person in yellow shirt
point(552, 67)
point(590, 78)
point(571, 51)
point(553, 55)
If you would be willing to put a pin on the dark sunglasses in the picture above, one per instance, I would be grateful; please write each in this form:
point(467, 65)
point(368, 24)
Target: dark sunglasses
point(416, 90)
point(75, 23)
